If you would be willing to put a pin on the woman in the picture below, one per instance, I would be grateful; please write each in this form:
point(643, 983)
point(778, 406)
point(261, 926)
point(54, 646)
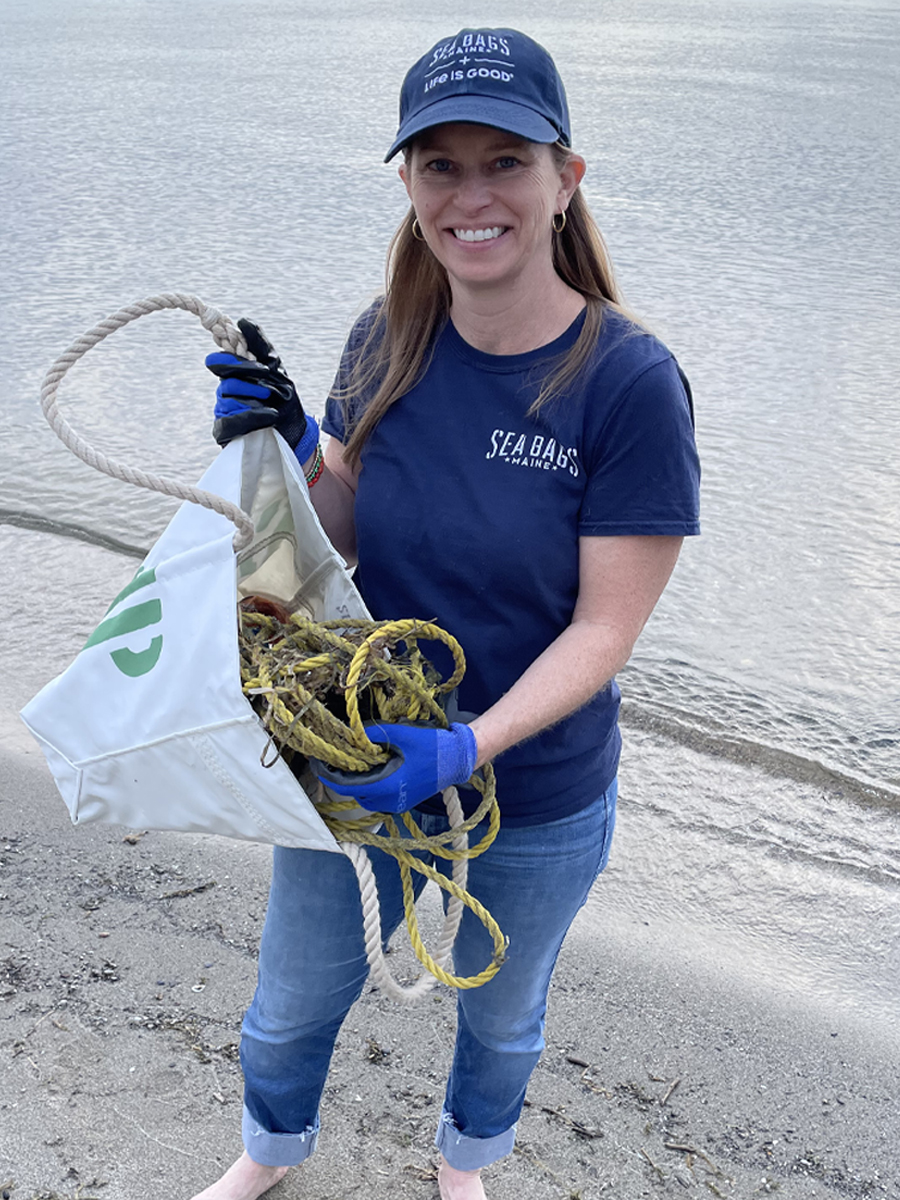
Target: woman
point(512, 457)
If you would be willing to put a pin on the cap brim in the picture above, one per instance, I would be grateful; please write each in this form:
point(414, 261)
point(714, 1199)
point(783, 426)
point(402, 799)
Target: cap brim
point(478, 110)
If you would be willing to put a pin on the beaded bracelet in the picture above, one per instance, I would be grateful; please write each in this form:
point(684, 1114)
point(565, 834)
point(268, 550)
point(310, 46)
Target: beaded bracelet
point(318, 466)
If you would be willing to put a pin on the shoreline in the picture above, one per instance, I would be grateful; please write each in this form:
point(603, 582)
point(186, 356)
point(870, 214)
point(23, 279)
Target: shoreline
point(90, 551)
point(774, 760)
point(128, 959)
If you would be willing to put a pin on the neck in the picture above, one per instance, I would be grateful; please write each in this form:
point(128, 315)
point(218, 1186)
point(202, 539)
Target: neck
point(505, 322)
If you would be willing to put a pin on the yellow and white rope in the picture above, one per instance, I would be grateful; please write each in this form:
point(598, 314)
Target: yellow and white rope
point(279, 663)
point(342, 745)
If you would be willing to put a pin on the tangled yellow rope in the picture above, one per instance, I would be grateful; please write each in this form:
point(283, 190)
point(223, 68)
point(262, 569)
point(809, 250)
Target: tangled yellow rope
point(296, 672)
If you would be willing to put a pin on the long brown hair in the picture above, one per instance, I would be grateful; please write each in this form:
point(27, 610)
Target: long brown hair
point(416, 304)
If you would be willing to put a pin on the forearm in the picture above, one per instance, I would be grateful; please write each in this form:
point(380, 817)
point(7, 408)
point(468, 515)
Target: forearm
point(333, 499)
point(571, 670)
point(621, 579)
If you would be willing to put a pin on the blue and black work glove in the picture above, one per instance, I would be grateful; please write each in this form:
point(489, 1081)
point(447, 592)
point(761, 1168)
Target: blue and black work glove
point(423, 761)
point(256, 395)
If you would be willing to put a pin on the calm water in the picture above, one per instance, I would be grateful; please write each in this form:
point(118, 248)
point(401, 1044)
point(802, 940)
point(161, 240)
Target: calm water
point(743, 165)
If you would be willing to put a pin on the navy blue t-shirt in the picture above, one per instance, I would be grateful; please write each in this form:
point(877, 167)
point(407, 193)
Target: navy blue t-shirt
point(468, 513)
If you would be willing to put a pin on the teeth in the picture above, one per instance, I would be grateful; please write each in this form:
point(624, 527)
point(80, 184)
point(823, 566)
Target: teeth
point(478, 235)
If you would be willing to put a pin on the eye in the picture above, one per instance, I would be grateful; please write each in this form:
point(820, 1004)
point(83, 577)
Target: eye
point(440, 166)
point(507, 162)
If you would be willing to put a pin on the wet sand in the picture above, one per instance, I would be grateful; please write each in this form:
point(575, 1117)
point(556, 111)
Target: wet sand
point(677, 1064)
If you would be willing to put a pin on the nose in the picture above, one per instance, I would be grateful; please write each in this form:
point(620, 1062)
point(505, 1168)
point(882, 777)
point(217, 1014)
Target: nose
point(473, 192)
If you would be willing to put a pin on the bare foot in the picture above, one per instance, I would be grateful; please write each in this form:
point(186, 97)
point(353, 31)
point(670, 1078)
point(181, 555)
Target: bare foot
point(246, 1179)
point(457, 1185)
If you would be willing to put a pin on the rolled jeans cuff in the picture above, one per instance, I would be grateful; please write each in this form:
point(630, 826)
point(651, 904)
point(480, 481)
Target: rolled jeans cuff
point(465, 1153)
point(277, 1149)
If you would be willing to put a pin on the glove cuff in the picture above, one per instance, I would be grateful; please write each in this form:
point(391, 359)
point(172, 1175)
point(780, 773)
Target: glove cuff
point(457, 755)
point(305, 448)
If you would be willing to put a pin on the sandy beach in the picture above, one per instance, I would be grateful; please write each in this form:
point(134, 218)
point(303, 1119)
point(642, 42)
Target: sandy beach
point(682, 1059)
point(126, 960)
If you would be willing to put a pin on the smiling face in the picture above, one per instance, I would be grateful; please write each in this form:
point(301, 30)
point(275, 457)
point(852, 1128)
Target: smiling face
point(485, 202)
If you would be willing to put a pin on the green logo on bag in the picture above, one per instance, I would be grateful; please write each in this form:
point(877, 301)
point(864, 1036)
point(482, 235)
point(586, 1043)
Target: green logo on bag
point(139, 616)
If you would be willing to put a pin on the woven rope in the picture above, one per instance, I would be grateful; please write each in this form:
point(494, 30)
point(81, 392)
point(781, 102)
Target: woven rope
point(368, 891)
point(226, 335)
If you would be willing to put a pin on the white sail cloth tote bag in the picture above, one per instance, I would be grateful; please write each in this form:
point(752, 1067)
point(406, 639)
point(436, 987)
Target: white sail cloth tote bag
point(149, 727)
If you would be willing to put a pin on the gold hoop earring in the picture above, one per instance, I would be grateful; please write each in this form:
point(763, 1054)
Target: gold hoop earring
point(561, 226)
point(417, 230)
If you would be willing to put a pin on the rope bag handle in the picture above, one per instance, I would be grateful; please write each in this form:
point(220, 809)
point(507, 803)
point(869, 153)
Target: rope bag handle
point(227, 337)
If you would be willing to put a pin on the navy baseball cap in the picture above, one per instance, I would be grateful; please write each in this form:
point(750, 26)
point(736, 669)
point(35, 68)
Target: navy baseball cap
point(496, 77)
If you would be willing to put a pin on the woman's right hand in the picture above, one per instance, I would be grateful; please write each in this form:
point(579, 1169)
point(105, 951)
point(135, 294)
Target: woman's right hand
point(257, 394)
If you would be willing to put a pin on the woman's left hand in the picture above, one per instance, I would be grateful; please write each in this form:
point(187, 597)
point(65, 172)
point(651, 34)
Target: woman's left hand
point(423, 762)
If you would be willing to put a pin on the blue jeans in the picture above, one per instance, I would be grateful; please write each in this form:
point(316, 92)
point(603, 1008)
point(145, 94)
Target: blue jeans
point(312, 967)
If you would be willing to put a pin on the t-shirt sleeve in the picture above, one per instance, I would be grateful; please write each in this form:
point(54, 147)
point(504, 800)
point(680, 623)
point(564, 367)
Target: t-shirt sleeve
point(338, 407)
point(334, 422)
point(643, 469)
